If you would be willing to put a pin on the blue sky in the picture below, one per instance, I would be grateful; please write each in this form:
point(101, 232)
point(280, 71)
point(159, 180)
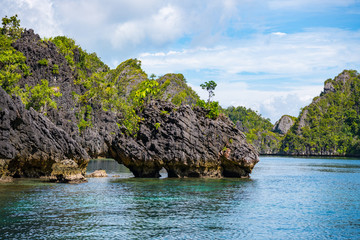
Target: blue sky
point(269, 55)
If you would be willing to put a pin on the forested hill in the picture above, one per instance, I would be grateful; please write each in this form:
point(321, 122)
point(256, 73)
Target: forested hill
point(330, 125)
point(258, 130)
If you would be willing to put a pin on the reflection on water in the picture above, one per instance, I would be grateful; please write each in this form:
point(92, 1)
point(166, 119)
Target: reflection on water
point(285, 198)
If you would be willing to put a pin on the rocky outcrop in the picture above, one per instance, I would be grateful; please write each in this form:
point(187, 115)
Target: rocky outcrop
point(186, 143)
point(94, 140)
point(176, 90)
point(97, 174)
point(31, 145)
point(284, 124)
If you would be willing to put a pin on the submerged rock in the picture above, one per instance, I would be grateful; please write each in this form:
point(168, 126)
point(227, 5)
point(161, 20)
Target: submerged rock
point(97, 174)
point(186, 143)
point(5, 179)
point(67, 171)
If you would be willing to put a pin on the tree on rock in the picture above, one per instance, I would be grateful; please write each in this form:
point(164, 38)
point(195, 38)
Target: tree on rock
point(210, 87)
point(213, 107)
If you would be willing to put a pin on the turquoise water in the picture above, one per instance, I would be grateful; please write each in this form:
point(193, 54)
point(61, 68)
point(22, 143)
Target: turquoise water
point(286, 198)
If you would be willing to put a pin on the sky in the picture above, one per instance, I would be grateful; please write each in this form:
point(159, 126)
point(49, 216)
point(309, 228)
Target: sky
point(272, 56)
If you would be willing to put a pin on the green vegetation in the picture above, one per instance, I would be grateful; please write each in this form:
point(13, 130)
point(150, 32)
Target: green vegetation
point(210, 87)
point(12, 66)
point(248, 118)
point(55, 69)
point(43, 62)
point(11, 27)
point(213, 107)
point(144, 92)
point(83, 63)
point(41, 96)
point(258, 130)
point(157, 125)
point(173, 88)
point(152, 76)
point(12, 62)
point(331, 123)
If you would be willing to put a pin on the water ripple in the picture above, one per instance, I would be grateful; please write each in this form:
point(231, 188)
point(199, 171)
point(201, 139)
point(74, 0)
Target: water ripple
point(287, 198)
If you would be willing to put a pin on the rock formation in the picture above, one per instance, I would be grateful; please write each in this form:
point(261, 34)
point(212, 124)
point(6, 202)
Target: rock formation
point(32, 146)
point(181, 139)
point(97, 174)
point(283, 125)
point(186, 143)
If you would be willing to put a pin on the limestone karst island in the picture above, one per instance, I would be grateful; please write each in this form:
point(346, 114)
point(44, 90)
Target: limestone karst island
point(163, 119)
point(61, 106)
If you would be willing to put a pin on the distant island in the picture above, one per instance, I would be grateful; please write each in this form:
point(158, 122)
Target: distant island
point(61, 106)
point(329, 126)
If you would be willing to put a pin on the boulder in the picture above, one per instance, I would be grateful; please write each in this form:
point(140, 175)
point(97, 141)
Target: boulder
point(67, 171)
point(6, 179)
point(97, 174)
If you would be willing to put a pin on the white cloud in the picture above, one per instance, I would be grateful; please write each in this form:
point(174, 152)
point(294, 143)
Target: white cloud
point(308, 4)
point(292, 54)
point(275, 75)
point(164, 26)
point(270, 103)
point(280, 34)
point(35, 14)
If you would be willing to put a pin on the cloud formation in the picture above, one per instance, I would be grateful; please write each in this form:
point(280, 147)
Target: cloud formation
point(37, 14)
point(159, 28)
point(275, 74)
point(270, 55)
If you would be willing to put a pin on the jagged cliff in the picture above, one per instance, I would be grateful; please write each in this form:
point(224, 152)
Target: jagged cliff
point(84, 109)
point(186, 143)
point(32, 146)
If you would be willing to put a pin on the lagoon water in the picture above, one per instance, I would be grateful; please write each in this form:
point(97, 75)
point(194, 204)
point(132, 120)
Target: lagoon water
point(286, 198)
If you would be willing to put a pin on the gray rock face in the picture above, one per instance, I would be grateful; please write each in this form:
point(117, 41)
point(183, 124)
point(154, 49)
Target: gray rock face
point(342, 78)
point(328, 87)
point(283, 125)
point(176, 87)
point(30, 144)
point(94, 140)
point(186, 143)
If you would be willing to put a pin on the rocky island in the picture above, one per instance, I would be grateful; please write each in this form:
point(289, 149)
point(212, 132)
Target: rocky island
point(60, 106)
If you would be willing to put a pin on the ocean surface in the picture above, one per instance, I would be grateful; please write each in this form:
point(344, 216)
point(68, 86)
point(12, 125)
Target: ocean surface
point(286, 198)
